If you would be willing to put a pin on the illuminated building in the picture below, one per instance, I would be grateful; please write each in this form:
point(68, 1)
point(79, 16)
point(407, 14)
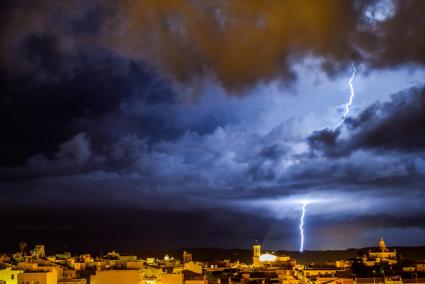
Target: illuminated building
point(40, 277)
point(187, 257)
point(167, 278)
point(256, 255)
point(115, 276)
point(319, 272)
point(194, 267)
point(381, 254)
point(38, 252)
point(135, 264)
point(9, 276)
point(268, 267)
point(267, 257)
point(343, 264)
point(259, 260)
point(383, 251)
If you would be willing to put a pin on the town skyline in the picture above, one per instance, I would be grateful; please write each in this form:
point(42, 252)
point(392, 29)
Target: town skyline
point(379, 264)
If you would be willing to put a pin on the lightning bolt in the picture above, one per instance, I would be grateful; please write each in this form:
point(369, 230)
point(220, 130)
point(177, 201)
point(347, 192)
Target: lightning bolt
point(350, 101)
point(302, 227)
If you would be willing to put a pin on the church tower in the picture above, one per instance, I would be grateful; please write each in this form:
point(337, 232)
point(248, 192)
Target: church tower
point(383, 246)
point(256, 255)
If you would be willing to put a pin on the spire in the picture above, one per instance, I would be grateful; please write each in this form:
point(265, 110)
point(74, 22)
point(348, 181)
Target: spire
point(382, 245)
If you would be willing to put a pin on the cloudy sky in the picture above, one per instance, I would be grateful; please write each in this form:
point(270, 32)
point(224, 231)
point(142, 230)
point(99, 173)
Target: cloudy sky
point(167, 124)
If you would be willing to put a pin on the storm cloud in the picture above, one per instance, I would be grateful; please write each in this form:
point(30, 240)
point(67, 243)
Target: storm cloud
point(396, 125)
point(179, 119)
point(238, 43)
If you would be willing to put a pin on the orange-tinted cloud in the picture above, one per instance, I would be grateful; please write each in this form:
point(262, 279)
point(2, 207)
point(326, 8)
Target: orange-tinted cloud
point(240, 43)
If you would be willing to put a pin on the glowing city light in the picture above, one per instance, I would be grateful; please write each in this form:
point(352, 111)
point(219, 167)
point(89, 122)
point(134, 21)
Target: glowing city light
point(267, 257)
point(350, 101)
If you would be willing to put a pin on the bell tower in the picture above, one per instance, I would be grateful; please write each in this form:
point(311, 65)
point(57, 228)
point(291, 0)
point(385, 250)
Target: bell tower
point(256, 255)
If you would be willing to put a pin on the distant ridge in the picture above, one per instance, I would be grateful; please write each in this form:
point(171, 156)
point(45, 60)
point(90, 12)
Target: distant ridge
point(245, 255)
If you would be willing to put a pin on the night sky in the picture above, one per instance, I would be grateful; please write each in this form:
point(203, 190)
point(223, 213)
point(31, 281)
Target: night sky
point(168, 124)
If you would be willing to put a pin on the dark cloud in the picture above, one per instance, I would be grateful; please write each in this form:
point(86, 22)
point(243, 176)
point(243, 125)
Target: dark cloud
point(116, 117)
point(132, 229)
point(238, 43)
point(399, 39)
point(37, 116)
point(227, 172)
point(396, 125)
